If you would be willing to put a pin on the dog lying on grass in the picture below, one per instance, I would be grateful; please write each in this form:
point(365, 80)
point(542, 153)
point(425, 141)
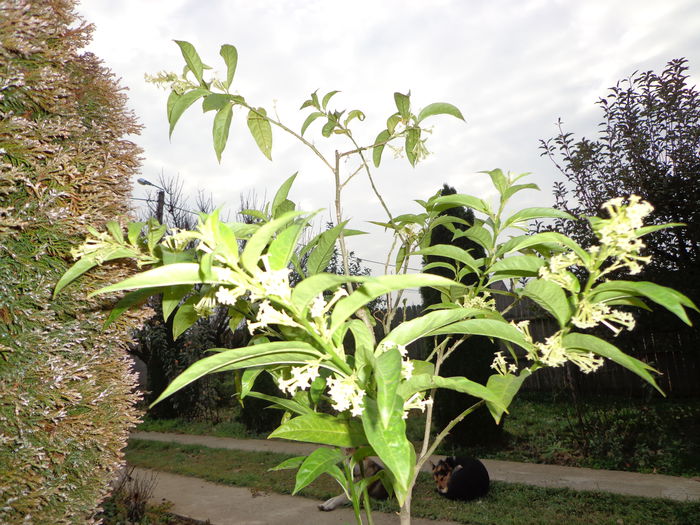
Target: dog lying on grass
point(375, 490)
point(461, 478)
point(455, 478)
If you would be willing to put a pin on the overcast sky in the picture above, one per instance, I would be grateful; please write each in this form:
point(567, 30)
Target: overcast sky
point(512, 67)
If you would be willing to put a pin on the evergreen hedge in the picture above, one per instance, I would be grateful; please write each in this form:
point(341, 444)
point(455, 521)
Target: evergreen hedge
point(66, 390)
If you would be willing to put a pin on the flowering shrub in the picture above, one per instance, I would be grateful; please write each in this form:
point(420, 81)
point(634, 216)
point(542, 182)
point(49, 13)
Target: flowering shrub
point(299, 332)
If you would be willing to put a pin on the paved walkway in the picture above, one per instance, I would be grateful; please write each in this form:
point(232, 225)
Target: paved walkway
point(227, 505)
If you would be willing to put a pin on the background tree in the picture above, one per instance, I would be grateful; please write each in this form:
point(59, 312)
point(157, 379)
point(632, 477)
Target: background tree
point(473, 358)
point(648, 145)
point(66, 399)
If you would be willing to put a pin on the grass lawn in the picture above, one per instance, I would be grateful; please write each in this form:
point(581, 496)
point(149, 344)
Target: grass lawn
point(506, 504)
point(658, 436)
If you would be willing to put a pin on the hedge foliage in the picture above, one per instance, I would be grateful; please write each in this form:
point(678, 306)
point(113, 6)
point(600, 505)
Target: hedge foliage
point(66, 390)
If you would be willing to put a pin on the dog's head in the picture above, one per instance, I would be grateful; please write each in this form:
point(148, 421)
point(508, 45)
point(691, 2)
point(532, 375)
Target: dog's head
point(441, 474)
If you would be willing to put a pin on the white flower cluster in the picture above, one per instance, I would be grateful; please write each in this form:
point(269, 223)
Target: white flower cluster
point(589, 315)
point(482, 302)
point(267, 315)
point(302, 377)
point(553, 353)
point(418, 402)
point(406, 363)
point(346, 395)
point(501, 366)
point(558, 272)
point(272, 282)
point(228, 296)
point(618, 233)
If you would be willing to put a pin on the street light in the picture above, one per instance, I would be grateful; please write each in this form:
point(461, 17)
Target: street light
point(161, 197)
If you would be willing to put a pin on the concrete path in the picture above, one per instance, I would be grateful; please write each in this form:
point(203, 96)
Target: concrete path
point(618, 482)
point(225, 505)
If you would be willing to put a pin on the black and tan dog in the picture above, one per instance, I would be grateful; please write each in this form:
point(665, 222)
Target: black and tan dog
point(455, 478)
point(461, 478)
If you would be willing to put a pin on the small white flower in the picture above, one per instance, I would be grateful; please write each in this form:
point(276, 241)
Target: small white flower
point(272, 282)
point(499, 364)
point(346, 395)
point(267, 315)
point(227, 295)
point(388, 345)
point(416, 401)
point(406, 369)
point(302, 377)
point(318, 307)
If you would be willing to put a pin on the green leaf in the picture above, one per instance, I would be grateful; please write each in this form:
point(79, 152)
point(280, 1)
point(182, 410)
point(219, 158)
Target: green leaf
point(422, 382)
point(324, 429)
point(364, 348)
point(551, 297)
point(261, 130)
point(194, 63)
point(487, 327)
point(451, 252)
point(282, 247)
point(305, 292)
point(282, 402)
point(446, 202)
point(170, 275)
point(328, 127)
point(526, 241)
point(230, 55)
point(291, 463)
point(322, 254)
point(309, 120)
point(354, 114)
point(317, 463)
point(86, 263)
point(327, 97)
point(136, 298)
point(439, 108)
point(185, 316)
point(669, 298)
point(248, 378)
point(387, 372)
point(134, 231)
point(181, 103)
point(412, 138)
point(515, 188)
point(282, 193)
point(115, 231)
point(516, 266)
point(527, 214)
point(390, 444)
point(591, 343)
point(479, 235)
point(279, 352)
point(392, 122)
point(403, 104)
point(172, 295)
point(409, 331)
point(259, 240)
point(378, 149)
point(373, 287)
point(505, 387)
point(215, 102)
point(499, 180)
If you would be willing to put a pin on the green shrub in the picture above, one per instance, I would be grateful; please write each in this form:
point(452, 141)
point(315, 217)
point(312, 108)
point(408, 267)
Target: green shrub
point(66, 389)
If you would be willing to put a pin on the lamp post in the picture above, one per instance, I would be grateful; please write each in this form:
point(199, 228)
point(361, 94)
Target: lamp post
point(160, 203)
